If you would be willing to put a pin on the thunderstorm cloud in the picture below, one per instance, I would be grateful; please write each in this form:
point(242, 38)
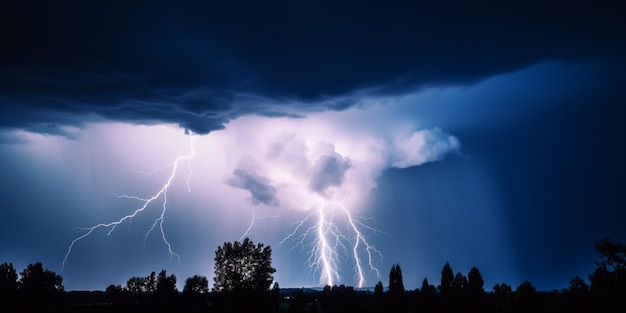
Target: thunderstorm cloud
point(329, 170)
point(259, 187)
point(68, 64)
point(423, 146)
point(292, 163)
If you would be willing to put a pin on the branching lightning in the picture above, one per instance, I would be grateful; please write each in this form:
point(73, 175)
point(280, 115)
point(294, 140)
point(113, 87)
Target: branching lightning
point(253, 221)
point(146, 202)
point(330, 233)
point(329, 245)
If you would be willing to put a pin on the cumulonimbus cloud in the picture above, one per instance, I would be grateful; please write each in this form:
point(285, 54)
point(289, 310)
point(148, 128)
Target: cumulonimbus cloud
point(423, 146)
point(329, 170)
point(292, 163)
point(260, 187)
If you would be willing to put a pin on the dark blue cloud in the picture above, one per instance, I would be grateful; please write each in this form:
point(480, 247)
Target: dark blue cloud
point(260, 187)
point(193, 63)
point(328, 171)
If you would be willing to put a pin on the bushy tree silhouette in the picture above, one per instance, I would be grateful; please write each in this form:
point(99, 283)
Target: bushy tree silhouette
point(39, 286)
point(141, 289)
point(243, 265)
point(195, 291)
point(118, 296)
point(196, 284)
point(503, 297)
point(8, 285)
point(576, 296)
point(165, 293)
point(142, 285)
point(612, 255)
point(577, 286)
point(243, 270)
point(608, 281)
point(526, 298)
point(136, 285)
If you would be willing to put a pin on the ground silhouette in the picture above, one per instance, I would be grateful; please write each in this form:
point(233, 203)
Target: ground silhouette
point(37, 288)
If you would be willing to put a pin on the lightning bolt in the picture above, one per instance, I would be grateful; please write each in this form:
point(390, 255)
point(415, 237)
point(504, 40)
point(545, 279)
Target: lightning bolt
point(146, 202)
point(329, 245)
point(253, 221)
point(319, 232)
point(369, 249)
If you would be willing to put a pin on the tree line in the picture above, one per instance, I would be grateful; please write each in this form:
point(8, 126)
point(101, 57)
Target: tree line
point(244, 282)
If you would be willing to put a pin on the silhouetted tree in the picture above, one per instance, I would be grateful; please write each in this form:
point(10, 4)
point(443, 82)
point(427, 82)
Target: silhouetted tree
point(275, 296)
point(578, 285)
point(396, 286)
point(456, 297)
point(379, 300)
point(503, 294)
point(339, 299)
point(243, 270)
point(427, 297)
point(446, 287)
point(396, 289)
point(475, 291)
point(608, 281)
point(196, 284)
point(150, 283)
point(576, 297)
point(475, 281)
point(118, 296)
point(378, 289)
point(141, 289)
point(612, 255)
point(166, 293)
point(459, 284)
point(142, 285)
point(447, 279)
point(243, 266)
point(195, 291)
point(427, 289)
point(39, 286)
point(610, 273)
point(8, 284)
point(135, 285)
point(526, 299)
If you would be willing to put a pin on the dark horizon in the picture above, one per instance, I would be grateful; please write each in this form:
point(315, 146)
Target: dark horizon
point(601, 259)
point(256, 289)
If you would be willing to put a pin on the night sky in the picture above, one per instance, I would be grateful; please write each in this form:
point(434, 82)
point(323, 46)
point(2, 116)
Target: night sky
point(487, 135)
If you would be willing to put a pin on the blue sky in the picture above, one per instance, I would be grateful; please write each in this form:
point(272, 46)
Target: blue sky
point(480, 135)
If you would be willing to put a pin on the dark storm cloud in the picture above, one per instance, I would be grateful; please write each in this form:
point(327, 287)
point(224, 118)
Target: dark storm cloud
point(260, 187)
point(200, 64)
point(328, 171)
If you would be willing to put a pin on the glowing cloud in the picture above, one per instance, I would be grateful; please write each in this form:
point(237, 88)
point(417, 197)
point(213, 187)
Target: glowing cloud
point(320, 171)
point(423, 146)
